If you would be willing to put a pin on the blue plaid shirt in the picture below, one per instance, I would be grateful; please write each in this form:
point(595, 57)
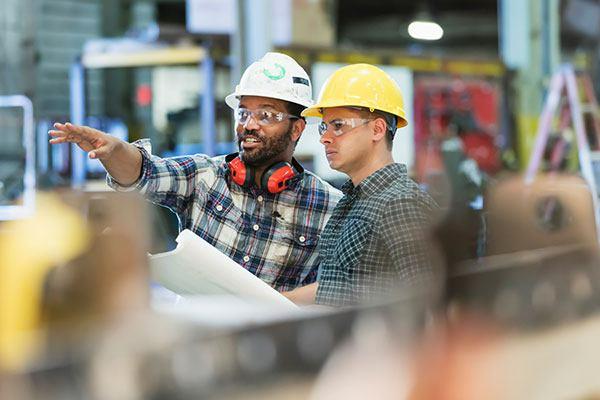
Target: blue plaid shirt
point(274, 236)
point(376, 240)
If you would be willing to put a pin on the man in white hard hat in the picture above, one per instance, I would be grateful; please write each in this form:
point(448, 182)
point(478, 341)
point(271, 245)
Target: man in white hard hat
point(375, 243)
point(258, 206)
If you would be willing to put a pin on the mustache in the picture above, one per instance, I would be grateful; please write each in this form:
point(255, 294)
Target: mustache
point(247, 133)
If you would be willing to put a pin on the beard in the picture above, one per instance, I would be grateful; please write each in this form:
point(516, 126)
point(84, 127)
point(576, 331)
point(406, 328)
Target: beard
point(271, 147)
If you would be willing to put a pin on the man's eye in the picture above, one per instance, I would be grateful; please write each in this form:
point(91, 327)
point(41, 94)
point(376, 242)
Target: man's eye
point(265, 115)
point(337, 125)
point(243, 114)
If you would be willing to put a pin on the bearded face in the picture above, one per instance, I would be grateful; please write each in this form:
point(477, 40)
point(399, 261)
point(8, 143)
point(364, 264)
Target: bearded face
point(258, 148)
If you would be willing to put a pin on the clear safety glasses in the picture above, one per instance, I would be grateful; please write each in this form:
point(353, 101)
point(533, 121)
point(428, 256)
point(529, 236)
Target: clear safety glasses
point(261, 116)
point(342, 125)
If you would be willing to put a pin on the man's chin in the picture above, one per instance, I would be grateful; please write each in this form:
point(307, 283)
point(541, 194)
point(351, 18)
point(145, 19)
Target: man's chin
point(252, 159)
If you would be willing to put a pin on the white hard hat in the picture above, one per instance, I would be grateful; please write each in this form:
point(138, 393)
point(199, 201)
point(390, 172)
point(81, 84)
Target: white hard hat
point(277, 76)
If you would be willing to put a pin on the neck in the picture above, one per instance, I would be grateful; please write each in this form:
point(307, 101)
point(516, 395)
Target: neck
point(258, 173)
point(372, 165)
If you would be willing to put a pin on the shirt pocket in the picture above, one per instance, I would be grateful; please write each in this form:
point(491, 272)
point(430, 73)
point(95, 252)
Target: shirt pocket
point(294, 249)
point(222, 214)
point(352, 244)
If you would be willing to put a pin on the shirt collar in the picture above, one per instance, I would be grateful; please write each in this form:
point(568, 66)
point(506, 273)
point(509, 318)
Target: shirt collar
point(381, 178)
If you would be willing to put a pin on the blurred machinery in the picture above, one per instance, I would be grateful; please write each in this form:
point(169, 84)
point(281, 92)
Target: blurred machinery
point(536, 297)
point(17, 157)
point(107, 53)
point(73, 266)
point(466, 108)
point(583, 116)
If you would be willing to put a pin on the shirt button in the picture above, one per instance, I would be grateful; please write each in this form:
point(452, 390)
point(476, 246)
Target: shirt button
point(246, 258)
point(302, 239)
point(219, 207)
point(259, 199)
point(255, 227)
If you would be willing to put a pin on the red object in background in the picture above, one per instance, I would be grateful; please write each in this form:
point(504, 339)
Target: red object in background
point(481, 148)
point(143, 95)
point(468, 107)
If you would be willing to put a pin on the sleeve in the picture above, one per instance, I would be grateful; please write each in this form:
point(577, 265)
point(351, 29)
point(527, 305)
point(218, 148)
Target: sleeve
point(169, 182)
point(405, 230)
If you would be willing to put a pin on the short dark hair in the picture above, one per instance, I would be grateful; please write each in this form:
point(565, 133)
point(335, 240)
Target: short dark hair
point(294, 109)
point(392, 125)
point(391, 122)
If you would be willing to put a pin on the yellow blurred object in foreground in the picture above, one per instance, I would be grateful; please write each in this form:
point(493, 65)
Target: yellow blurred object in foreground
point(29, 248)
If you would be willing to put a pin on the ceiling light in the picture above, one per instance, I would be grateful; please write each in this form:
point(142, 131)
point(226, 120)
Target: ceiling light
point(425, 30)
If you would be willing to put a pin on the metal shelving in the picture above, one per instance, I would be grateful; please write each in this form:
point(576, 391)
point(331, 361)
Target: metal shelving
point(144, 57)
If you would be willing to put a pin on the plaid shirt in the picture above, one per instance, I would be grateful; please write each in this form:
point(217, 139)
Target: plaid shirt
point(274, 236)
point(375, 239)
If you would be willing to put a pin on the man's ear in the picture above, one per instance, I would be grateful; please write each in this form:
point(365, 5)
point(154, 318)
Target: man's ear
point(379, 129)
point(297, 128)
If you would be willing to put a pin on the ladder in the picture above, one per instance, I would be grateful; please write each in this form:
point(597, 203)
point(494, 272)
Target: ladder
point(566, 80)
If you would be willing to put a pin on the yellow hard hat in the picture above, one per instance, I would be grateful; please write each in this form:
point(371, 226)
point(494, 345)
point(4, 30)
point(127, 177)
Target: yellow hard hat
point(360, 85)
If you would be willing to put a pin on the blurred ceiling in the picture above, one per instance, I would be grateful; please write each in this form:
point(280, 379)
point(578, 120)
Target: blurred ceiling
point(470, 26)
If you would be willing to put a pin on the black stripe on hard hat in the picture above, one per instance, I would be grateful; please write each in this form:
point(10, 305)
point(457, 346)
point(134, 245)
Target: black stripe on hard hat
point(298, 79)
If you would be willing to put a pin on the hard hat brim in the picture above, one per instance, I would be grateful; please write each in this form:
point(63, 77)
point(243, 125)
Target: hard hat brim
point(315, 111)
point(233, 99)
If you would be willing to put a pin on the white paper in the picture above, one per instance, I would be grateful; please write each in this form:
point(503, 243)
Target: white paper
point(195, 267)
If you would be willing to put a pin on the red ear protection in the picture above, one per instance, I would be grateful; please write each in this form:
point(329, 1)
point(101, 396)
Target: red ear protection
point(239, 173)
point(275, 179)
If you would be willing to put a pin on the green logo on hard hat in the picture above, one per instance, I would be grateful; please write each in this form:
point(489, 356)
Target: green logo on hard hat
point(276, 73)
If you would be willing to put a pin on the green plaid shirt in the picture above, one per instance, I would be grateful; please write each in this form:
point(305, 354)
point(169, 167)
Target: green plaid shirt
point(375, 239)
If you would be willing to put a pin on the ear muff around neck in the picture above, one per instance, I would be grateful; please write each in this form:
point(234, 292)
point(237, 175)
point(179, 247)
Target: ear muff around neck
point(239, 173)
point(277, 177)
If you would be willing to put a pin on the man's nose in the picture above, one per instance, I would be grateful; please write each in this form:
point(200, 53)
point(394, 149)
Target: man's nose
point(327, 137)
point(251, 123)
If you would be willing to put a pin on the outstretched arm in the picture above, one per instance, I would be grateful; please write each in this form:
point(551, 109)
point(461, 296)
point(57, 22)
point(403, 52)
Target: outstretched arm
point(121, 160)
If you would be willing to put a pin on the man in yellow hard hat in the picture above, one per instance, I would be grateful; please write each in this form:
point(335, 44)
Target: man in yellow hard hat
point(376, 238)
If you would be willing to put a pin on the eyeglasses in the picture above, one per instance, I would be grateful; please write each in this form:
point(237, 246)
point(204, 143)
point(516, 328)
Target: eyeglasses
point(341, 126)
point(261, 116)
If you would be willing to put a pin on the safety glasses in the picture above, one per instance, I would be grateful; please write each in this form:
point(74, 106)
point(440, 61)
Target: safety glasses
point(341, 125)
point(261, 116)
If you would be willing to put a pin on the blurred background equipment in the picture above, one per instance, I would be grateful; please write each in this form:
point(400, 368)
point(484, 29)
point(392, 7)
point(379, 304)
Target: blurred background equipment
point(17, 157)
point(565, 80)
point(29, 249)
point(143, 55)
point(551, 211)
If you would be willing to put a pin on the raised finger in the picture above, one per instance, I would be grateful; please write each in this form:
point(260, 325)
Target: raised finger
point(57, 133)
point(59, 126)
point(58, 140)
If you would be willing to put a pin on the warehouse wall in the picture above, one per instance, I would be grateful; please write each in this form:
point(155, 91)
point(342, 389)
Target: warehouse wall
point(16, 47)
point(39, 39)
point(61, 29)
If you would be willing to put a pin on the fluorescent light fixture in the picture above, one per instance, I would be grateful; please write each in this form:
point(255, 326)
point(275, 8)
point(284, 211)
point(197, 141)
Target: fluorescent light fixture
point(425, 30)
